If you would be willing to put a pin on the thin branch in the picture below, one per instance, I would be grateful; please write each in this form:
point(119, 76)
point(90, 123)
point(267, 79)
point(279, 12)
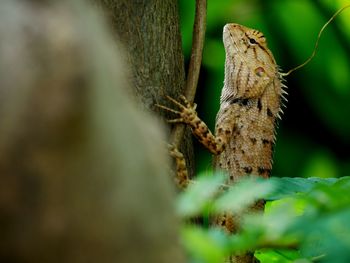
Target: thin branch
point(317, 41)
point(195, 63)
point(278, 245)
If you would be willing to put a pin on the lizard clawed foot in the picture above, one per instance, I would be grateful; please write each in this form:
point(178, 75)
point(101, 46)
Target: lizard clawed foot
point(186, 113)
point(174, 152)
point(182, 178)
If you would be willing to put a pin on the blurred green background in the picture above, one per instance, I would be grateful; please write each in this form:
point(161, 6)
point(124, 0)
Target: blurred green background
point(313, 138)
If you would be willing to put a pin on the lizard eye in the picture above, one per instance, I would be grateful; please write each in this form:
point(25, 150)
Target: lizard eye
point(252, 41)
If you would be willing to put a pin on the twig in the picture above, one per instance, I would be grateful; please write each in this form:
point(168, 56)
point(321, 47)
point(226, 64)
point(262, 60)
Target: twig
point(195, 63)
point(276, 245)
point(317, 41)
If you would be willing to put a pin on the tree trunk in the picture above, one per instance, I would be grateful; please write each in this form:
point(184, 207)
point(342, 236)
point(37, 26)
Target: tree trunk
point(149, 30)
point(83, 171)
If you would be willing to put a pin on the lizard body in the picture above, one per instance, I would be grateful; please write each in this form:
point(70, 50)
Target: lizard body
point(250, 104)
point(245, 125)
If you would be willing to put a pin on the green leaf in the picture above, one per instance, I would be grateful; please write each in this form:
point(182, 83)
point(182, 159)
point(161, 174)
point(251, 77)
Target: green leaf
point(279, 256)
point(327, 238)
point(287, 186)
point(198, 195)
point(244, 194)
point(272, 228)
point(206, 246)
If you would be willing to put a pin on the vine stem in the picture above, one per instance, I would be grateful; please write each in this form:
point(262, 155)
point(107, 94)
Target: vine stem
point(317, 41)
point(198, 37)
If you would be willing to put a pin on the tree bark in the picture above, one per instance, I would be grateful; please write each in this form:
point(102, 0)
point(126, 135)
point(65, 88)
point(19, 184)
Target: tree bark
point(83, 171)
point(149, 31)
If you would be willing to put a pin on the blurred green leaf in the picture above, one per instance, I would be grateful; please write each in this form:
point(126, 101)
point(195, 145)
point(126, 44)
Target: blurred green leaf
point(309, 223)
point(243, 194)
point(198, 195)
point(272, 227)
point(287, 186)
point(205, 246)
point(279, 256)
point(327, 235)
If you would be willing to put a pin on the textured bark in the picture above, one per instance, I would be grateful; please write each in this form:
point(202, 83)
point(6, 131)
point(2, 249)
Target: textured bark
point(149, 30)
point(82, 170)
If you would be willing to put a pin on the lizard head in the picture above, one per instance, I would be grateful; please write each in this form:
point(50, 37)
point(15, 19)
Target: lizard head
point(249, 63)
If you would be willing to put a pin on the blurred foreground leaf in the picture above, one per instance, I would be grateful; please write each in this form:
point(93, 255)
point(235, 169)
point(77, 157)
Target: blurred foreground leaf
point(279, 256)
point(306, 222)
point(204, 245)
point(243, 194)
point(198, 195)
point(286, 186)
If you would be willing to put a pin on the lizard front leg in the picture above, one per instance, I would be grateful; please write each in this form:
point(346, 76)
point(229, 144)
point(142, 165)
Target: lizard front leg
point(187, 114)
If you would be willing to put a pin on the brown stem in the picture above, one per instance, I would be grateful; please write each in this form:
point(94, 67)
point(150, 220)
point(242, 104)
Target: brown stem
point(278, 246)
point(195, 63)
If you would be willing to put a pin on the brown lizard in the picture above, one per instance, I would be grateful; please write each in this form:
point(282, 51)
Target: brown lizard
point(245, 125)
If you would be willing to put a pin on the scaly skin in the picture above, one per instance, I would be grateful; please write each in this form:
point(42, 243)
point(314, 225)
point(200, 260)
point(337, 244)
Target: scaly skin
point(245, 125)
point(250, 103)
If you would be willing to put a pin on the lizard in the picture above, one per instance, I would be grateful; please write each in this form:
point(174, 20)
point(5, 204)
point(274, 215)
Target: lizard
point(250, 105)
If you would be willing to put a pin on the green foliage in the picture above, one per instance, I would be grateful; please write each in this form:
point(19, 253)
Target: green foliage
point(307, 221)
point(196, 198)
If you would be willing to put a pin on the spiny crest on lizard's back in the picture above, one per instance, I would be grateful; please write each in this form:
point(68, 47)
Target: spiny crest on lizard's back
point(251, 63)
